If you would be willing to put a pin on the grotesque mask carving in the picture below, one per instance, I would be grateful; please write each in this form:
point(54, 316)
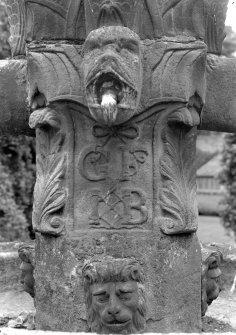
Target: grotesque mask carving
point(211, 278)
point(114, 296)
point(27, 255)
point(112, 74)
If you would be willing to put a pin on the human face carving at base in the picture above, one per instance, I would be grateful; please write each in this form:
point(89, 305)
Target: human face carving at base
point(115, 296)
point(115, 304)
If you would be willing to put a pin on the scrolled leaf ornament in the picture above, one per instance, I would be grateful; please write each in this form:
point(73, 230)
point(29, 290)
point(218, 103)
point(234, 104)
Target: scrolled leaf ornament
point(178, 195)
point(49, 194)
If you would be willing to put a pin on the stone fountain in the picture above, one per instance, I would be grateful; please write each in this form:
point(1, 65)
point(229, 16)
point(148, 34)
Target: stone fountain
point(115, 92)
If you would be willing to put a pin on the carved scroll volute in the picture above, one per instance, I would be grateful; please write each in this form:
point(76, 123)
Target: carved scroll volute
point(178, 195)
point(50, 193)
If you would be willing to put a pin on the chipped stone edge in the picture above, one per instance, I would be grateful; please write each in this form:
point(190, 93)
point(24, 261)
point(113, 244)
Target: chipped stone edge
point(7, 331)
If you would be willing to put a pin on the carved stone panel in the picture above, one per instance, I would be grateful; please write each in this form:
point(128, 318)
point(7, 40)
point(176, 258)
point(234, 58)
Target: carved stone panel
point(116, 91)
point(113, 175)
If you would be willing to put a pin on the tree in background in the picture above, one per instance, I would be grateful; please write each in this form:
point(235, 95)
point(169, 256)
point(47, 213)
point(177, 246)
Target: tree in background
point(4, 34)
point(228, 179)
point(17, 170)
point(227, 176)
point(229, 45)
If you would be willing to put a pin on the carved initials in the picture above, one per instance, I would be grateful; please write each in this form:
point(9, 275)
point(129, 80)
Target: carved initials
point(96, 164)
point(124, 209)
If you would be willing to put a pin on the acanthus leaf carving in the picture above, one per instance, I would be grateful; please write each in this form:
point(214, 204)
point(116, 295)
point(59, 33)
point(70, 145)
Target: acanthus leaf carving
point(50, 193)
point(44, 117)
point(177, 199)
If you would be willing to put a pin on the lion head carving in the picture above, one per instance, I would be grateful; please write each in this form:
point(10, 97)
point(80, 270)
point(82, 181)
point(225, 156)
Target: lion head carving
point(114, 295)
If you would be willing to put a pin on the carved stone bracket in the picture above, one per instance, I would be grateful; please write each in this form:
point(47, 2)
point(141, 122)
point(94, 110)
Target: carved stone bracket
point(50, 193)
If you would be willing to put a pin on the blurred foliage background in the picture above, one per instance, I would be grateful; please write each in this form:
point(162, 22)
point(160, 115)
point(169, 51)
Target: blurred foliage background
point(17, 170)
point(227, 176)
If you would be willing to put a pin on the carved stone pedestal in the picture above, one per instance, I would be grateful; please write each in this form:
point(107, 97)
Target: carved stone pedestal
point(116, 91)
point(107, 193)
point(170, 288)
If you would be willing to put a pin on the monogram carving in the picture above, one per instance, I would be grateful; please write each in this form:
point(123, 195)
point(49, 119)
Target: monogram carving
point(115, 206)
point(119, 209)
point(97, 164)
point(49, 193)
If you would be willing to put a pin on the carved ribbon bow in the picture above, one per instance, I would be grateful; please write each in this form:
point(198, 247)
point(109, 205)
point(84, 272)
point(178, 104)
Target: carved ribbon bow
point(123, 132)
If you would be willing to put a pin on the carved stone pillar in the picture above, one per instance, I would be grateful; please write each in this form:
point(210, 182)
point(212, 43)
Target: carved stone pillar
point(116, 90)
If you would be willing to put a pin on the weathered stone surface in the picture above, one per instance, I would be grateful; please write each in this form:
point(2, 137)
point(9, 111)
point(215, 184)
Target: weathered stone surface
point(27, 256)
point(152, 253)
point(107, 205)
point(13, 301)
point(211, 276)
point(14, 112)
point(7, 331)
point(220, 97)
point(223, 309)
point(228, 262)
point(73, 20)
point(116, 92)
point(115, 295)
point(9, 266)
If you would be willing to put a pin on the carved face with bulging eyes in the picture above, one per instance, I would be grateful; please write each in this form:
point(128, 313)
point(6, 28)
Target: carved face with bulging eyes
point(115, 304)
point(112, 74)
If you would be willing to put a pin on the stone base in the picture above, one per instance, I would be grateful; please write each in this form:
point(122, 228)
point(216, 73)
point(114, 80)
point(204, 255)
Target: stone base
point(9, 266)
point(7, 331)
point(172, 266)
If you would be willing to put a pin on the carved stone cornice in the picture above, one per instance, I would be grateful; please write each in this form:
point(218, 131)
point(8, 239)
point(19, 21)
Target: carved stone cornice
point(151, 19)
